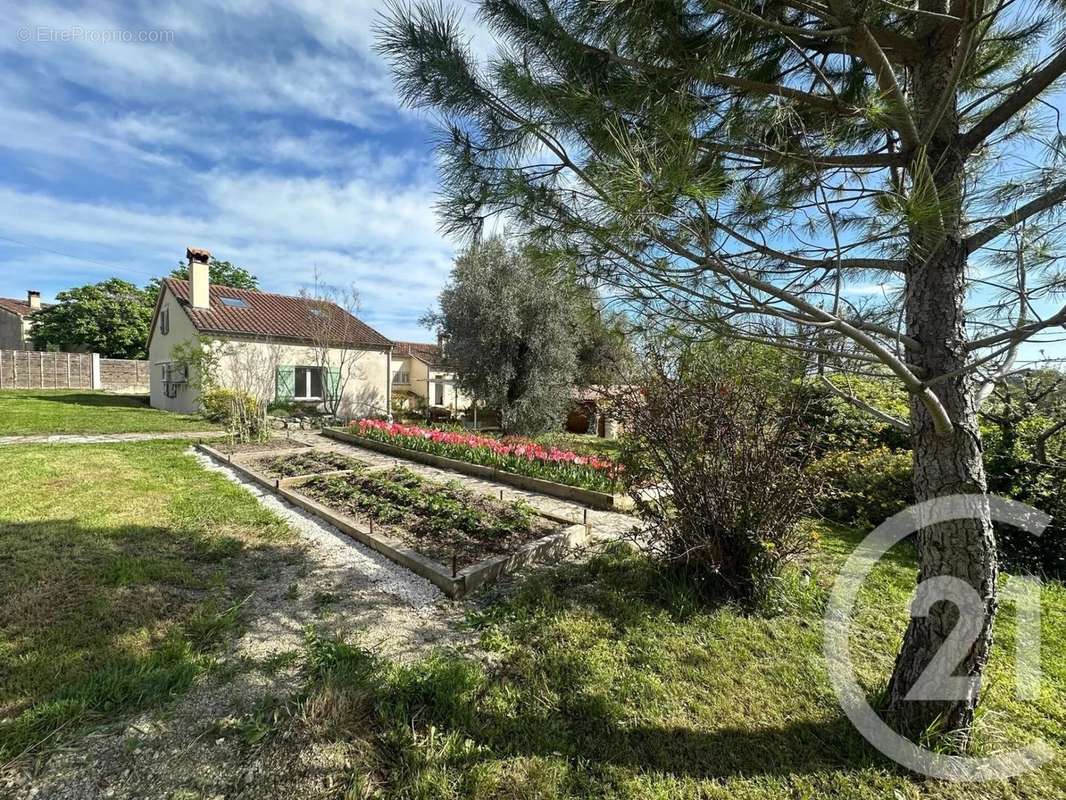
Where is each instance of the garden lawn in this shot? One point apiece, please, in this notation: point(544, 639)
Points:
point(74, 411)
point(121, 572)
point(610, 679)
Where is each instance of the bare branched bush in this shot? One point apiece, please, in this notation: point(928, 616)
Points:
point(715, 456)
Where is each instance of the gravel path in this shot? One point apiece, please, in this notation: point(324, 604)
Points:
point(193, 749)
point(104, 438)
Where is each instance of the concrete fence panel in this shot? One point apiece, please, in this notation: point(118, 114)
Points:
point(27, 369)
point(124, 375)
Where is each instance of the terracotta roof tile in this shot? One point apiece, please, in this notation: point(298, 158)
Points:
point(20, 307)
point(429, 353)
point(273, 315)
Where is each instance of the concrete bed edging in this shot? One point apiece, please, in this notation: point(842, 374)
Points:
point(602, 501)
point(467, 580)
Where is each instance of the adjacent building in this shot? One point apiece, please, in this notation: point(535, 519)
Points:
point(422, 379)
point(16, 321)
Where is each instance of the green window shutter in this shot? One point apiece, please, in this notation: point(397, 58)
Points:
point(333, 383)
point(286, 384)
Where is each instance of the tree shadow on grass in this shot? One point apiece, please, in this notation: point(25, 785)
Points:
point(100, 622)
point(566, 686)
point(92, 399)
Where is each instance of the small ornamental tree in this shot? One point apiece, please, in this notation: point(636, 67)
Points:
point(715, 456)
point(332, 326)
point(758, 166)
point(110, 318)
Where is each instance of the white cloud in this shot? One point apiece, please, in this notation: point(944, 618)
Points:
point(267, 132)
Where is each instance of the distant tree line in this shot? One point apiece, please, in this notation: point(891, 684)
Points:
point(113, 317)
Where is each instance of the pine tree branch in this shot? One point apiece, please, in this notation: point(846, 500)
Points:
point(859, 160)
point(883, 70)
point(862, 405)
point(1022, 96)
point(1045, 201)
point(788, 30)
point(887, 264)
point(1040, 445)
point(820, 102)
point(1020, 334)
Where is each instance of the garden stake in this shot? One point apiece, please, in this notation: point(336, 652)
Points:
point(585, 519)
point(501, 495)
point(455, 565)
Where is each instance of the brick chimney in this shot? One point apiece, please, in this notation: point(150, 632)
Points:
point(33, 299)
point(199, 277)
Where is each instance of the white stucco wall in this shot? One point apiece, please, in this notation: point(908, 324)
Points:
point(187, 399)
point(417, 371)
point(251, 365)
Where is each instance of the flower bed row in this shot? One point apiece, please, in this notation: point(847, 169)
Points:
point(439, 520)
point(520, 457)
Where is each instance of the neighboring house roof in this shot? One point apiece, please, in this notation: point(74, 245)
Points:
point(274, 315)
point(428, 353)
point(20, 307)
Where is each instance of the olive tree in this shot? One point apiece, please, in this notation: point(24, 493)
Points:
point(511, 334)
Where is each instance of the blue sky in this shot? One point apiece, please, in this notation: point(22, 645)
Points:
point(267, 132)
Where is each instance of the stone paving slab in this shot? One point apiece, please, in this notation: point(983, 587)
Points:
point(105, 438)
point(605, 524)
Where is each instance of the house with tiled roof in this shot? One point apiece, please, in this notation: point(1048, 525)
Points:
point(16, 321)
point(278, 348)
point(423, 380)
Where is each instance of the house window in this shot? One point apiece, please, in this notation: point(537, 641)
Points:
point(308, 383)
point(438, 394)
point(164, 321)
point(234, 302)
point(403, 378)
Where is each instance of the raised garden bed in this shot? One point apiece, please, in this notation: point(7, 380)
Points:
point(309, 462)
point(458, 540)
point(442, 521)
point(594, 499)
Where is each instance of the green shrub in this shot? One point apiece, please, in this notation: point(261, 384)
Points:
point(849, 428)
point(242, 414)
point(864, 487)
point(715, 460)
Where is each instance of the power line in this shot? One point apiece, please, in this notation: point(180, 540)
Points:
point(77, 258)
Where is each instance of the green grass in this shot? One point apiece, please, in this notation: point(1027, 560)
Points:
point(119, 572)
point(583, 443)
point(53, 411)
point(611, 680)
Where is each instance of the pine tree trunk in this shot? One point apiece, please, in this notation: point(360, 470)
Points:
point(944, 463)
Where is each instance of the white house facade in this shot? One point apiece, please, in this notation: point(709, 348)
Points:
point(277, 348)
